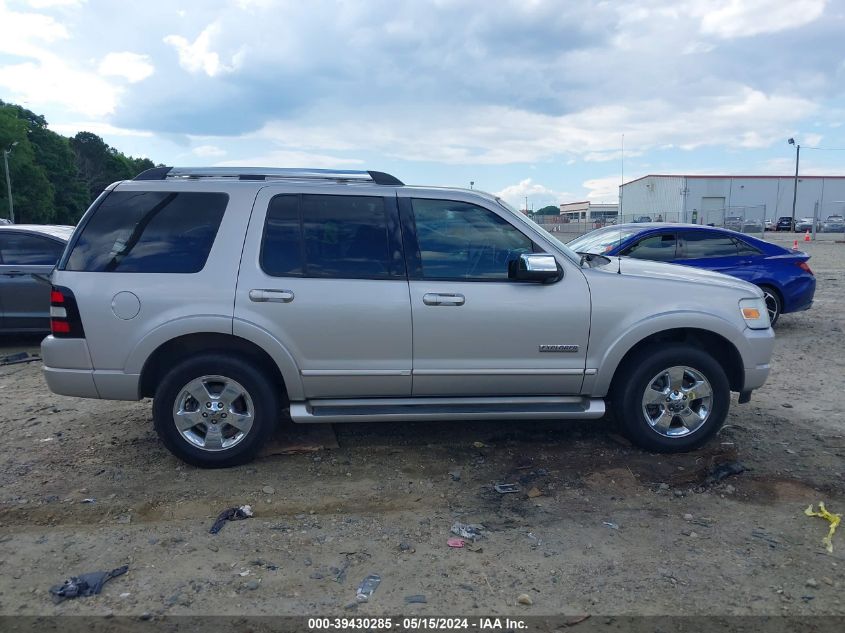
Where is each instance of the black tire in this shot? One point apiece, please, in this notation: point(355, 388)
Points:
point(774, 304)
point(265, 408)
point(632, 381)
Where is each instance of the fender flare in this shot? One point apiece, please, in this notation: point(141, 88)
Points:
point(227, 326)
point(631, 336)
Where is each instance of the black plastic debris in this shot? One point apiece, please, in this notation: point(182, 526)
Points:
point(85, 585)
point(20, 357)
point(723, 471)
point(230, 514)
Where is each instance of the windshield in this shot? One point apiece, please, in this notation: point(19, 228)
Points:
point(602, 240)
point(566, 250)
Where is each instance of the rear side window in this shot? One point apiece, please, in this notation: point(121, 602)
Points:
point(21, 249)
point(660, 248)
point(702, 244)
point(149, 232)
point(341, 237)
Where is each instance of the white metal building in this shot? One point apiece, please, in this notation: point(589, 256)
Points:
point(705, 199)
point(587, 211)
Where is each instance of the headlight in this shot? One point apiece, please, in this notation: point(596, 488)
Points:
point(754, 313)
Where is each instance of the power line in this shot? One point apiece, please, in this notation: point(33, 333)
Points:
point(826, 149)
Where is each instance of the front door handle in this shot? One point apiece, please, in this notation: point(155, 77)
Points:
point(263, 295)
point(443, 299)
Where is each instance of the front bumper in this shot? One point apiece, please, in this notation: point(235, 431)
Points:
point(756, 357)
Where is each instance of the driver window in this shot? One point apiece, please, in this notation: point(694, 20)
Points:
point(461, 241)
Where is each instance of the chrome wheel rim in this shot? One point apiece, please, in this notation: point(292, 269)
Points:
point(213, 413)
point(771, 305)
point(677, 401)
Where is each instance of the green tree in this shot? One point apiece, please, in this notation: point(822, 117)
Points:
point(31, 189)
point(549, 210)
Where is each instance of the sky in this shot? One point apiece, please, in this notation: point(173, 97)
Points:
point(523, 98)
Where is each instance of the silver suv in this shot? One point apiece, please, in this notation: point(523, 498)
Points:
point(237, 297)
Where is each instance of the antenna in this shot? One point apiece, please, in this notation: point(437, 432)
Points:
point(619, 212)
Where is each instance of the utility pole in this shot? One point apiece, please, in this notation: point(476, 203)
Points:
point(6, 153)
point(795, 187)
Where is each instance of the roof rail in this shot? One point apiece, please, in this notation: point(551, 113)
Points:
point(268, 173)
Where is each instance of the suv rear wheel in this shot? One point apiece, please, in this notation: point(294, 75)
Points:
point(215, 411)
point(671, 398)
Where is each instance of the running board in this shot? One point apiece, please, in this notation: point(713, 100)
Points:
point(445, 409)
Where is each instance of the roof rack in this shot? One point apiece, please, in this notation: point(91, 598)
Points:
point(268, 173)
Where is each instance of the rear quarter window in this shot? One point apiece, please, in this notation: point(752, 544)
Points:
point(149, 232)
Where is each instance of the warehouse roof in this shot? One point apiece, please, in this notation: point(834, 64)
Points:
point(800, 176)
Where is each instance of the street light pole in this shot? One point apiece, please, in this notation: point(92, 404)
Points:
point(6, 153)
point(795, 186)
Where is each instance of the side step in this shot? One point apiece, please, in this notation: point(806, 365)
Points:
point(445, 409)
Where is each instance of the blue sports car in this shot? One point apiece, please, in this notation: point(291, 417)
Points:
point(783, 275)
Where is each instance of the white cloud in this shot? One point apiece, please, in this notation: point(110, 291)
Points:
point(50, 4)
point(131, 66)
point(744, 18)
point(197, 56)
point(46, 77)
point(497, 135)
point(603, 189)
point(538, 195)
point(97, 127)
point(208, 151)
point(286, 158)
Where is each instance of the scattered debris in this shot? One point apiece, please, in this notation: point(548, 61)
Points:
point(524, 598)
point(416, 599)
point(471, 531)
point(612, 526)
point(456, 542)
point(479, 445)
point(687, 517)
point(455, 474)
point(723, 471)
point(504, 489)
point(812, 582)
point(367, 587)
point(268, 490)
point(534, 493)
point(833, 519)
point(85, 585)
point(89, 500)
point(20, 357)
point(230, 514)
point(576, 620)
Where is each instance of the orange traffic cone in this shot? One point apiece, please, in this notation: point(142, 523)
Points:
point(795, 245)
point(807, 236)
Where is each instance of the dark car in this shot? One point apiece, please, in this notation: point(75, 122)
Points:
point(784, 224)
point(787, 281)
point(26, 249)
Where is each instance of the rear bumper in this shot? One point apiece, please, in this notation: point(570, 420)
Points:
point(68, 372)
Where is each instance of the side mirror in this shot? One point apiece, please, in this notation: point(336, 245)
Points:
point(534, 267)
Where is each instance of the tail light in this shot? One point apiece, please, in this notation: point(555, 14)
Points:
point(64, 314)
point(805, 267)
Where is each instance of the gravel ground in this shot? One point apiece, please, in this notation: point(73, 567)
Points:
point(598, 527)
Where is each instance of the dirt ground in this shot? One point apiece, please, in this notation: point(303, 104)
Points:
point(613, 531)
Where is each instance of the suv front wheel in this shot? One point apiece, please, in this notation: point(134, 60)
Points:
point(671, 398)
point(215, 411)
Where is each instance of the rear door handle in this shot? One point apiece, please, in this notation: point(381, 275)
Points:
point(443, 299)
point(267, 295)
